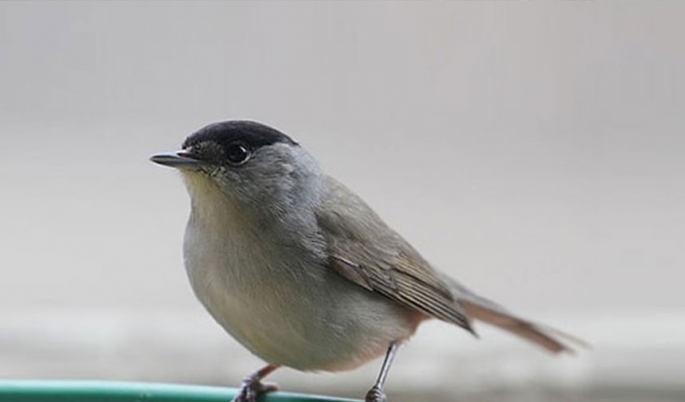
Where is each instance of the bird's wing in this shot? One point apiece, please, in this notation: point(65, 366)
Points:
point(365, 250)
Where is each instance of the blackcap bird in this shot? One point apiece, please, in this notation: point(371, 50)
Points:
point(299, 270)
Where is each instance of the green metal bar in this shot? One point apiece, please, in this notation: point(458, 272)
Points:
point(109, 391)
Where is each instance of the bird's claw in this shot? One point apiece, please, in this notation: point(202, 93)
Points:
point(251, 389)
point(375, 394)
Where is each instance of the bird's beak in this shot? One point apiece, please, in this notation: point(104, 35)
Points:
point(177, 159)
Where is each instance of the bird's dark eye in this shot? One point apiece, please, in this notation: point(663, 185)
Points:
point(238, 152)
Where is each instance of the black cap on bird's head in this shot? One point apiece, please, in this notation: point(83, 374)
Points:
point(251, 133)
point(225, 143)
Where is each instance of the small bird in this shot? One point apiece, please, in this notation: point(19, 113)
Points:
point(300, 270)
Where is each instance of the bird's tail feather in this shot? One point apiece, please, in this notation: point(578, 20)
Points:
point(549, 338)
point(482, 309)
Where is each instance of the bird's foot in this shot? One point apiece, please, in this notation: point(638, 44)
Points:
point(252, 388)
point(375, 394)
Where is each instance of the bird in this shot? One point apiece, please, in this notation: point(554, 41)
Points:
point(301, 271)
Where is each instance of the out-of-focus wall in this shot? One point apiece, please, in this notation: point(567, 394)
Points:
point(535, 152)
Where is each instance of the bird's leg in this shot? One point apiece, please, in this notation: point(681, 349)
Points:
point(252, 385)
point(376, 394)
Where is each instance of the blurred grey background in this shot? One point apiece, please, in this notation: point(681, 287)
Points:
point(534, 151)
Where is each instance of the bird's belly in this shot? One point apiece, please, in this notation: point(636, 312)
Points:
point(308, 319)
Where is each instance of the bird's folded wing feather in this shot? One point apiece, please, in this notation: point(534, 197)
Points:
point(365, 250)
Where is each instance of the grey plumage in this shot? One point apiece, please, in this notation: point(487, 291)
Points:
point(301, 270)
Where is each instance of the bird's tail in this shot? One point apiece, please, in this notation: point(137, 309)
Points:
point(480, 308)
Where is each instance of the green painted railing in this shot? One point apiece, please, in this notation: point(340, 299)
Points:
point(106, 391)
